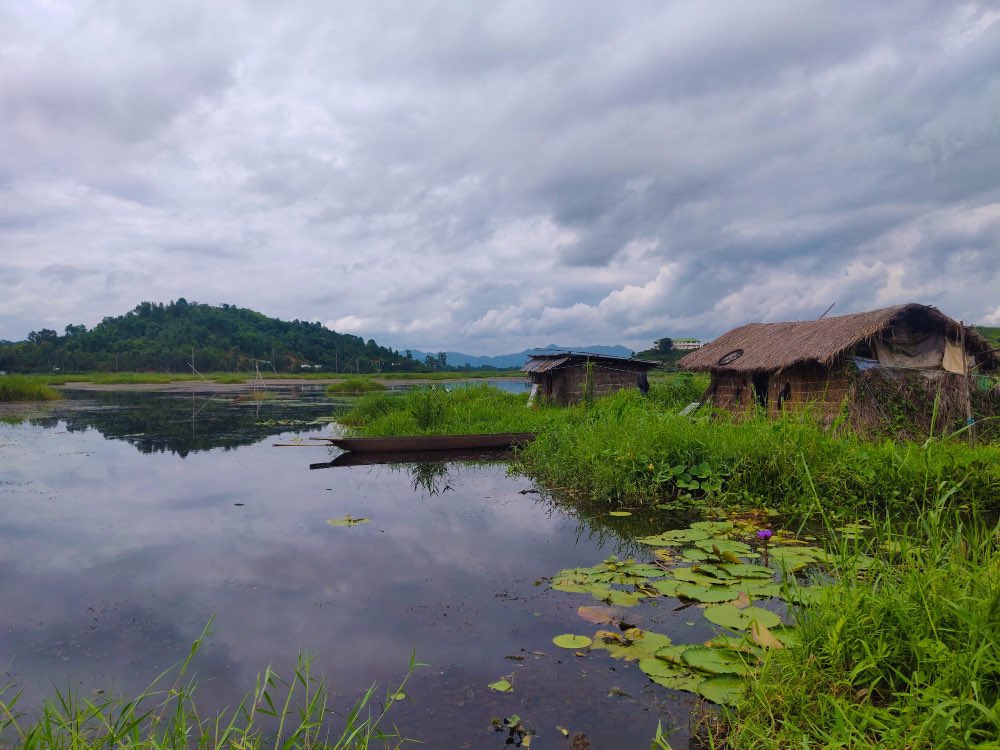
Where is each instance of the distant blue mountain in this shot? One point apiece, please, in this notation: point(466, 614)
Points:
point(504, 361)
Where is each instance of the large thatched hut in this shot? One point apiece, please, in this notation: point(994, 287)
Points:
point(875, 366)
point(568, 377)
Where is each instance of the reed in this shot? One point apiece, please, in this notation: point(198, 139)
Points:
point(286, 714)
point(355, 386)
point(21, 388)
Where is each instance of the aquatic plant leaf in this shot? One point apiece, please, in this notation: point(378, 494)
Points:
point(716, 660)
point(620, 513)
point(698, 555)
point(571, 641)
point(724, 689)
point(667, 587)
point(398, 696)
point(631, 645)
point(674, 538)
point(501, 686)
point(715, 528)
point(348, 520)
point(804, 595)
point(714, 571)
point(739, 619)
point(690, 575)
point(760, 588)
point(600, 615)
point(718, 546)
point(741, 644)
point(763, 637)
point(670, 675)
point(673, 654)
point(745, 570)
point(706, 594)
point(617, 598)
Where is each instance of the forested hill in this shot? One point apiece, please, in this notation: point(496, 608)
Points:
point(162, 338)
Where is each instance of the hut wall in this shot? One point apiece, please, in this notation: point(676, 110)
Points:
point(730, 391)
point(567, 385)
point(823, 389)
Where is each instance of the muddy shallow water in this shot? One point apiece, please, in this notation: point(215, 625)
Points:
point(127, 520)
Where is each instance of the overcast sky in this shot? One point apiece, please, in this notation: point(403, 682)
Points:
point(490, 176)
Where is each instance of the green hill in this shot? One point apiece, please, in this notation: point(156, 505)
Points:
point(163, 338)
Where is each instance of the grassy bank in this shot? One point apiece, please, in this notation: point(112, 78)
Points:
point(355, 386)
point(126, 378)
point(291, 714)
point(631, 450)
point(20, 388)
point(902, 654)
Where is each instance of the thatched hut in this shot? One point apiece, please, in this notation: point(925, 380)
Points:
point(568, 377)
point(858, 362)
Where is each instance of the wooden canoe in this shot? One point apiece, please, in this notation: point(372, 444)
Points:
point(500, 441)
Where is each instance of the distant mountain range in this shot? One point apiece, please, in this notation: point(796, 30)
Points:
point(504, 361)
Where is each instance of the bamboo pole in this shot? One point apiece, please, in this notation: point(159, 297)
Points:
point(969, 421)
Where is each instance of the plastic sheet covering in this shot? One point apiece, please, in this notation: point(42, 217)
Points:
point(954, 358)
point(900, 347)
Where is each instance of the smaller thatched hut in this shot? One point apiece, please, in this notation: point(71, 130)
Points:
point(568, 377)
point(856, 361)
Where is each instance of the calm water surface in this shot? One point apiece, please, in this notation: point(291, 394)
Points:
point(127, 520)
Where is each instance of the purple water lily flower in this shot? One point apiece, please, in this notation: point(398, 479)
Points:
point(764, 534)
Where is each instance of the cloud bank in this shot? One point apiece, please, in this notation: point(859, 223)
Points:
point(490, 177)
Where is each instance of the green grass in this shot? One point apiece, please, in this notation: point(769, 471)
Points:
point(905, 654)
point(354, 386)
point(633, 450)
point(21, 388)
point(286, 714)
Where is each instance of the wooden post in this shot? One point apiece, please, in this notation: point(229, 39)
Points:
point(969, 421)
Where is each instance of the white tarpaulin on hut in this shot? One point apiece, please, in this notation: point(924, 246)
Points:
point(901, 347)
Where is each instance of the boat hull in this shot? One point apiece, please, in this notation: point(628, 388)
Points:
point(500, 441)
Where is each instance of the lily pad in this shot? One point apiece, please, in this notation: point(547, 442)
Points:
point(674, 538)
point(631, 645)
point(501, 686)
point(739, 619)
point(600, 615)
point(617, 598)
point(714, 528)
point(620, 513)
point(348, 520)
point(698, 555)
point(707, 594)
point(724, 689)
point(670, 675)
point(692, 576)
point(667, 587)
point(572, 641)
point(718, 546)
point(745, 570)
point(716, 660)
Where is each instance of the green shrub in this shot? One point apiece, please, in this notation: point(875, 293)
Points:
point(21, 388)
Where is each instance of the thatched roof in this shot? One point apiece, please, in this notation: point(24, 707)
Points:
point(775, 346)
point(538, 363)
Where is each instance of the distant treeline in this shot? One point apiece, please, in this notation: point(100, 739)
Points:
point(165, 338)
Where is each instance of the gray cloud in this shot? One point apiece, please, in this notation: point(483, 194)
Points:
point(444, 176)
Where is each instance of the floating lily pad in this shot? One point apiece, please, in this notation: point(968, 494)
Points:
point(764, 637)
point(698, 555)
point(706, 594)
point(667, 587)
point(804, 594)
point(620, 513)
point(691, 575)
point(716, 660)
point(600, 615)
point(674, 538)
point(714, 571)
point(617, 598)
point(631, 645)
point(745, 570)
point(714, 528)
point(348, 520)
point(739, 619)
point(670, 675)
point(398, 696)
point(501, 686)
point(572, 641)
point(717, 546)
point(724, 689)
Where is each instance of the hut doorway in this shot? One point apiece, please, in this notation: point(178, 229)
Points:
point(760, 388)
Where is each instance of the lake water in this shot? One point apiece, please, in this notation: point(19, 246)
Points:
point(127, 520)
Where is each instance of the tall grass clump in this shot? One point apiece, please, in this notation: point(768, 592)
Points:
point(627, 448)
point(477, 409)
point(290, 714)
point(354, 386)
point(902, 654)
point(21, 388)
